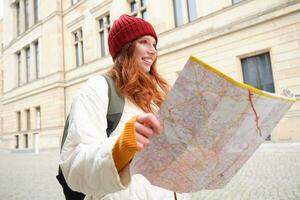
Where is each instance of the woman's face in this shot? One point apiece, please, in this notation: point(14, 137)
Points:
point(145, 52)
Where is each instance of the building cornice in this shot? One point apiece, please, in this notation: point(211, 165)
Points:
point(101, 5)
point(73, 7)
point(27, 90)
point(75, 21)
point(31, 131)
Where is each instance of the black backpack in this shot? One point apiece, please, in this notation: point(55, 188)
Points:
point(114, 113)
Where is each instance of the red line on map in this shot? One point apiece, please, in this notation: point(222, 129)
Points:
point(250, 94)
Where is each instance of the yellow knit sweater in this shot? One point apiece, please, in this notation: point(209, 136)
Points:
point(126, 145)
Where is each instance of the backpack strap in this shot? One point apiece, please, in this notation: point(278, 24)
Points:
point(115, 109)
point(115, 105)
point(65, 133)
point(114, 112)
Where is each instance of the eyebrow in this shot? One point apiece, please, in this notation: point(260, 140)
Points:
point(149, 39)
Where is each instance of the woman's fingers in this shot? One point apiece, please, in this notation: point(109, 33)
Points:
point(140, 146)
point(145, 127)
point(144, 130)
point(142, 141)
point(149, 120)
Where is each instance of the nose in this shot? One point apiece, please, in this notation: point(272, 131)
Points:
point(152, 49)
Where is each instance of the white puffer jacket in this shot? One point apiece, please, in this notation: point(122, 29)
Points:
point(86, 158)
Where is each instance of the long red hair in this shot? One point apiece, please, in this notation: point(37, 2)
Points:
point(146, 89)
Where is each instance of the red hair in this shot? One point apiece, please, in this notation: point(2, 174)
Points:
point(146, 89)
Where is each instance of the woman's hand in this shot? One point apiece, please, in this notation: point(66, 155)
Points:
point(146, 126)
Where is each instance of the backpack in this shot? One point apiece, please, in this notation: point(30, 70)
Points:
point(113, 116)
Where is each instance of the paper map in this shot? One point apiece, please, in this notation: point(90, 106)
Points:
point(212, 124)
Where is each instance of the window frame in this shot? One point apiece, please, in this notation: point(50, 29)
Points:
point(19, 121)
point(37, 59)
point(18, 24)
point(140, 10)
point(258, 68)
point(36, 10)
point(17, 137)
point(19, 65)
point(233, 2)
point(181, 12)
point(26, 14)
point(73, 2)
point(188, 10)
point(103, 31)
point(28, 119)
point(38, 118)
point(26, 140)
point(27, 63)
point(78, 44)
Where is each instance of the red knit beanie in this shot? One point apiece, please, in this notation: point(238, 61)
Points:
point(127, 29)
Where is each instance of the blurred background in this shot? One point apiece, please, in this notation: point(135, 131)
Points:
point(50, 48)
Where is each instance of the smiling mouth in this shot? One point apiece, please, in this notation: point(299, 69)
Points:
point(147, 60)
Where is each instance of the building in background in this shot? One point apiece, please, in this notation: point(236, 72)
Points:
point(53, 46)
point(1, 80)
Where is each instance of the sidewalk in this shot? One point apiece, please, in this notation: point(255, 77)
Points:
point(28, 176)
point(273, 173)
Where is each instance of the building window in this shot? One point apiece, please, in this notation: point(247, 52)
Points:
point(178, 12)
point(27, 119)
point(17, 141)
point(78, 44)
point(18, 17)
point(36, 10)
point(27, 63)
point(184, 11)
point(104, 27)
point(138, 8)
point(192, 10)
point(37, 59)
point(18, 121)
point(74, 1)
point(236, 1)
point(19, 67)
point(26, 140)
point(38, 117)
point(257, 71)
point(26, 13)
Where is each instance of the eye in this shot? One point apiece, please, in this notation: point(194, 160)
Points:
point(143, 41)
point(154, 45)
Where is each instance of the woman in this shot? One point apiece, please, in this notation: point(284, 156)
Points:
point(98, 165)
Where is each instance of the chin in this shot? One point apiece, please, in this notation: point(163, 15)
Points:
point(147, 69)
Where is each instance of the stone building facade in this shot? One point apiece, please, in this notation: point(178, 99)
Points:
point(51, 47)
point(1, 80)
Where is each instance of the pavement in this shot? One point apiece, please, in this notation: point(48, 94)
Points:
point(272, 173)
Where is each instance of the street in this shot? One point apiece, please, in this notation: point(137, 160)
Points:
point(273, 173)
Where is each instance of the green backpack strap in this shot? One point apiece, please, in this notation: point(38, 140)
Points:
point(65, 134)
point(115, 105)
point(115, 109)
point(114, 112)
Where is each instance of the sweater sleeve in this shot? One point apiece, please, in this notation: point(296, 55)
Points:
point(86, 159)
point(126, 145)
